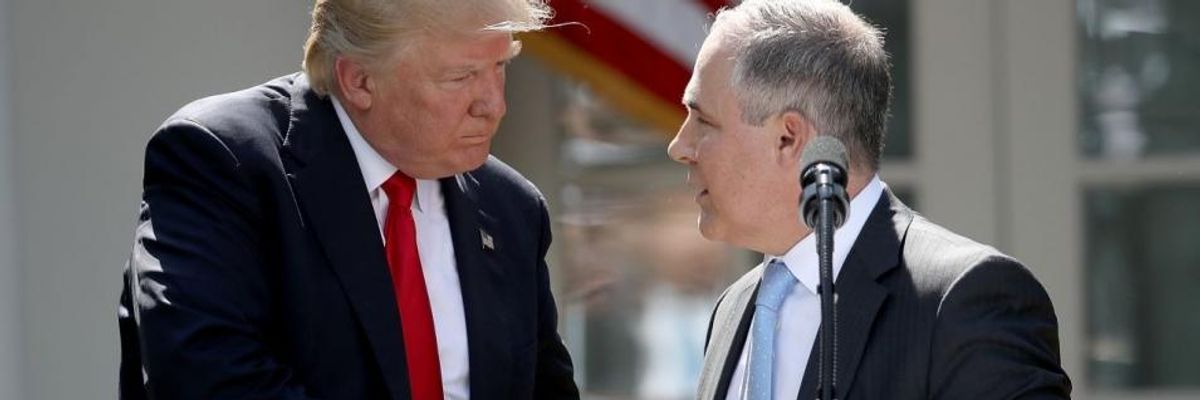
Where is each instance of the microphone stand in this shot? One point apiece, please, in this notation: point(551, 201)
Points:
point(823, 181)
point(831, 210)
point(828, 329)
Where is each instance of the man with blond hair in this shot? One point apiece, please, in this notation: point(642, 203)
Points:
point(922, 313)
point(343, 233)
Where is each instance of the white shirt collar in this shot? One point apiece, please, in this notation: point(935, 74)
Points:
point(376, 170)
point(802, 260)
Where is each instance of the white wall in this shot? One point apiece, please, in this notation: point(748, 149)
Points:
point(11, 353)
point(90, 80)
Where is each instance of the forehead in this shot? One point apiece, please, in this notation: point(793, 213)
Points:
point(438, 52)
point(451, 46)
point(711, 78)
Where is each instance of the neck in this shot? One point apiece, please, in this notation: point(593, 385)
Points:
point(857, 182)
point(796, 232)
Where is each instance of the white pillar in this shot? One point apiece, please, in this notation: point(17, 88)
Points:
point(954, 138)
point(1039, 106)
point(12, 354)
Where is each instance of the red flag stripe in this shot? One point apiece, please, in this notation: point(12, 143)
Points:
point(714, 5)
point(622, 93)
point(625, 51)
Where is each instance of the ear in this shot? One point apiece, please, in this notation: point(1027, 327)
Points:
point(354, 82)
point(794, 135)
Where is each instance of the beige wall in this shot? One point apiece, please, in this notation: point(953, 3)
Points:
point(90, 81)
point(11, 354)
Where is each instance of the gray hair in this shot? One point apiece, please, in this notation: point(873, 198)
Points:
point(815, 57)
point(373, 30)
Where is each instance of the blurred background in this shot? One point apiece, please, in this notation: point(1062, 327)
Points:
point(1066, 133)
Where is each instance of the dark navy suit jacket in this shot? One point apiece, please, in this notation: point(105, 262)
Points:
point(922, 313)
point(257, 270)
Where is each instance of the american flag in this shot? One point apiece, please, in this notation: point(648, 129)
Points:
point(637, 54)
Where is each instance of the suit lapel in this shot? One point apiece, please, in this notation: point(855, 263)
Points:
point(479, 277)
point(859, 294)
point(329, 189)
point(738, 344)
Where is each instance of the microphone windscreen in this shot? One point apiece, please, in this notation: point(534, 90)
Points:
point(826, 149)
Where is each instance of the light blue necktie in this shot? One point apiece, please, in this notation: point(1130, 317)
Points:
point(777, 281)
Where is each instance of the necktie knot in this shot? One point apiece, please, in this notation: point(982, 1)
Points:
point(777, 281)
point(399, 189)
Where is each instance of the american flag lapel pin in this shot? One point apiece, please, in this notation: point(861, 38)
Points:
point(488, 242)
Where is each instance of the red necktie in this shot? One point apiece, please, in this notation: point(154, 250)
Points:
point(404, 263)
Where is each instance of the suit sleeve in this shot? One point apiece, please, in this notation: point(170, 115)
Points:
point(555, 376)
point(196, 282)
point(996, 337)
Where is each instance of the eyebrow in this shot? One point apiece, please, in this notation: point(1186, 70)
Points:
point(694, 105)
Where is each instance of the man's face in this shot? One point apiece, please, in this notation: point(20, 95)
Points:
point(435, 108)
point(747, 185)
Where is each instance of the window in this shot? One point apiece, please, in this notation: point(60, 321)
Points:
point(1140, 66)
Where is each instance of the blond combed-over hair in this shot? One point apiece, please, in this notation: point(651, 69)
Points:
point(375, 30)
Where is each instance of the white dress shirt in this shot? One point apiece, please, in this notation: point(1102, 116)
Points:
point(436, 249)
point(800, 315)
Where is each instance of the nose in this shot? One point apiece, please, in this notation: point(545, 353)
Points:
point(489, 99)
point(682, 147)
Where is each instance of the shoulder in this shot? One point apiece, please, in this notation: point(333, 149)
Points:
point(498, 180)
point(241, 123)
point(936, 256)
point(993, 320)
point(956, 267)
point(934, 247)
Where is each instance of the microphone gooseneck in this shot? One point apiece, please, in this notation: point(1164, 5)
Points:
point(824, 207)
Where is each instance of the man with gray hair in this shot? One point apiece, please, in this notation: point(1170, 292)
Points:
point(922, 313)
point(343, 233)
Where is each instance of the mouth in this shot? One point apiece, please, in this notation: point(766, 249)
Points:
point(476, 139)
point(694, 182)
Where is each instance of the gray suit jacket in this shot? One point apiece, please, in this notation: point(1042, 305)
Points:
point(922, 314)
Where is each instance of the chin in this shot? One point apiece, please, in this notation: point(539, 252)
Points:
point(708, 230)
point(470, 163)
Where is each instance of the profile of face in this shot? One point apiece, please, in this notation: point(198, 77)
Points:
point(433, 108)
point(746, 177)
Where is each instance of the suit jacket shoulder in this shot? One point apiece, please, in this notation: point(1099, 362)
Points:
point(994, 332)
point(936, 257)
point(246, 122)
point(502, 182)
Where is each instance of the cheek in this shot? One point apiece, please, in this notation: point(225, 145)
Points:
point(449, 113)
point(435, 121)
point(744, 193)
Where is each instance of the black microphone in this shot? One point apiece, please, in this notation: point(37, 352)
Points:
point(823, 205)
point(824, 178)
